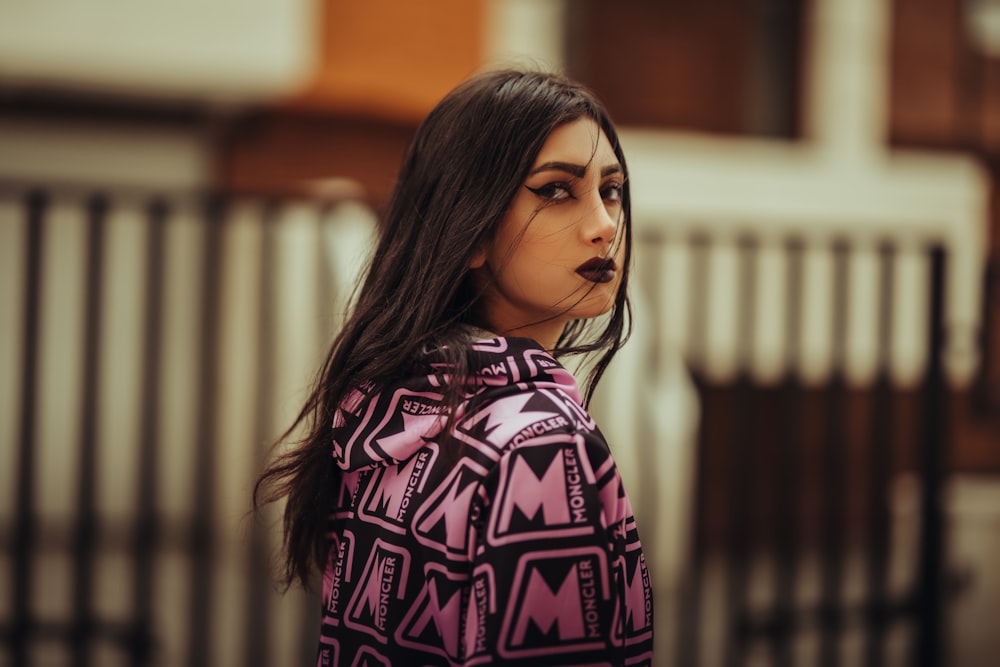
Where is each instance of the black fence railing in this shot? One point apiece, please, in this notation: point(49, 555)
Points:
point(162, 549)
point(987, 399)
point(793, 475)
point(796, 478)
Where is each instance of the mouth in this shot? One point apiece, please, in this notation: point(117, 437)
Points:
point(598, 270)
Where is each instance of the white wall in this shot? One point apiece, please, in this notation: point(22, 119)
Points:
point(222, 51)
point(46, 152)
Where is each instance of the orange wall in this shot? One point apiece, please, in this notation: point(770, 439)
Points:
point(393, 58)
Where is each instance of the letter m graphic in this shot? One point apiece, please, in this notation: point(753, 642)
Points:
point(546, 614)
point(442, 521)
point(532, 505)
point(434, 619)
point(543, 608)
point(381, 584)
point(384, 494)
point(636, 593)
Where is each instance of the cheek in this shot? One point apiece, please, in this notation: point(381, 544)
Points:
point(530, 246)
point(512, 234)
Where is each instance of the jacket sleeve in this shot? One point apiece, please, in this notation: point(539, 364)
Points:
point(558, 575)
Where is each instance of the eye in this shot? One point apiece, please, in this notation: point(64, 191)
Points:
point(612, 192)
point(555, 191)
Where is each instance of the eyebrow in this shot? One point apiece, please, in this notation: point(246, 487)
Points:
point(578, 170)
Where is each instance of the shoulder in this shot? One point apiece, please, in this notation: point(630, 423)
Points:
point(532, 438)
point(510, 417)
point(559, 485)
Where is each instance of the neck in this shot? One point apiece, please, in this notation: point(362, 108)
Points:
point(545, 334)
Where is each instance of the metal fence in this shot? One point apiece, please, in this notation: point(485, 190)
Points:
point(154, 344)
point(799, 555)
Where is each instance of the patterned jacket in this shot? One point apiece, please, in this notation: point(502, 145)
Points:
point(514, 544)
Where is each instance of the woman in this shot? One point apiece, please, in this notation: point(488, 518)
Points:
point(461, 503)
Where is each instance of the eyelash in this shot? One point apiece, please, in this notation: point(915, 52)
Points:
point(617, 188)
point(549, 191)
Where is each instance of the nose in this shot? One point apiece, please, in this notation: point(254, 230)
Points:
point(601, 225)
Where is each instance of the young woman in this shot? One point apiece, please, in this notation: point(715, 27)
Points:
point(461, 503)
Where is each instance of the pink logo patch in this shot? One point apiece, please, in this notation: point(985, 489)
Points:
point(442, 521)
point(555, 604)
point(542, 493)
point(382, 582)
point(433, 620)
point(394, 491)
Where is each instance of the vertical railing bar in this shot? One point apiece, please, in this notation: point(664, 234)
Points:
point(258, 609)
point(309, 631)
point(740, 457)
point(987, 383)
point(147, 524)
point(788, 461)
point(325, 323)
point(880, 447)
point(652, 274)
point(689, 623)
point(86, 522)
point(928, 646)
point(698, 316)
point(36, 203)
point(206, 393)
point(834, 468)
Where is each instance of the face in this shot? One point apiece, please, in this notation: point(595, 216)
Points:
point(558, 253)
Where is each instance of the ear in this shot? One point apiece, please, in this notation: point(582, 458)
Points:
point(478, 259)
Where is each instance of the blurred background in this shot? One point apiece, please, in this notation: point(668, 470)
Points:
point(807, 417)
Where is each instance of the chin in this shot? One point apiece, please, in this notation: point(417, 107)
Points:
point(596, 310)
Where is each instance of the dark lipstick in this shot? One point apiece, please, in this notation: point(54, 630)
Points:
point(598, 270)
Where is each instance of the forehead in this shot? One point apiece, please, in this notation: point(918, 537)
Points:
point(581, 142)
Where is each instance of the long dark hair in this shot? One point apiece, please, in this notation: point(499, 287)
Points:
point(460, 174)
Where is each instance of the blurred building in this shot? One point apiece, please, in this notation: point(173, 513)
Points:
point(808, 418)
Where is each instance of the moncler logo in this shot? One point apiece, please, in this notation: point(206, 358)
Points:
point(389, 428)
point(344, 507)
point(638, 621)
point(433, 620)
point(567, 404)
point(497, 423)
point(394, 491)
point(442, 521)
point(543, 492)
point(338, 571)
point(382, 582)
point(559, 604)
point(482, 603)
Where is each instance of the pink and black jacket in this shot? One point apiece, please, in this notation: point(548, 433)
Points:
point(514, 544)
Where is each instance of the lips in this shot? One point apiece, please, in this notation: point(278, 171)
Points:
point(598, 270)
